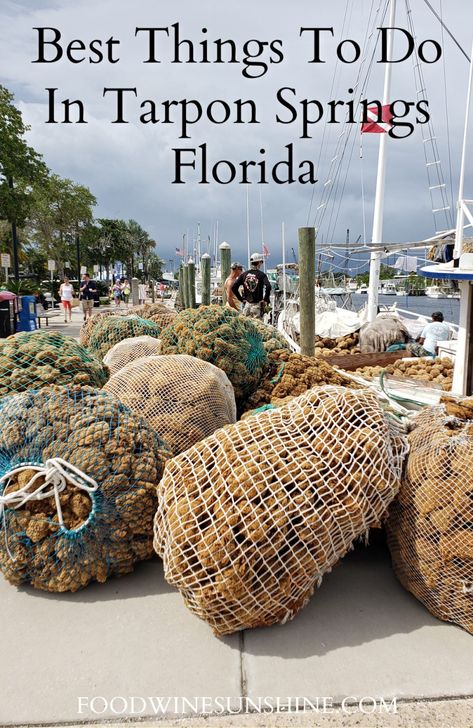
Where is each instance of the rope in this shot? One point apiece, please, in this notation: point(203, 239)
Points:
point(57, 474)
point(448, 31)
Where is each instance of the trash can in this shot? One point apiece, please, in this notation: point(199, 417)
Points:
point(7, 314)
point(27, 317)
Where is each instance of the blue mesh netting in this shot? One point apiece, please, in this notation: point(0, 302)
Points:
point(222, 337)
point(31, 360)
point(110, 330)
point(104, 532)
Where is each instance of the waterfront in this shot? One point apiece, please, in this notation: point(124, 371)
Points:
point(450, 307)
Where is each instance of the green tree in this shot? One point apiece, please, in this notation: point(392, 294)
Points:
point(155, 266)
point(61, 209)
point(21, 169)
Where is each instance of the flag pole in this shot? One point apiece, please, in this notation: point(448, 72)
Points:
point(377, 237)
point(248, 223)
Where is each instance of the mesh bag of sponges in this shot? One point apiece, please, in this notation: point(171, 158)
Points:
point(272, 339)
point(129, 350)
point(184, 398)
point(32, 360)
point(222, 337)
point(250, 518)
point(157, 312)
point(430, 528)
point(78, 474)
point(112, 329)
point(89, 325)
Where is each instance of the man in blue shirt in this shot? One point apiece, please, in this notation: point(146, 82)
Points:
point(88, 291)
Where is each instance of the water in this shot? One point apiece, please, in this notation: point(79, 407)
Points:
point(450, 307)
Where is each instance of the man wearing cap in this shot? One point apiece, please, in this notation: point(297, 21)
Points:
point(255, 288)
point(232, 300)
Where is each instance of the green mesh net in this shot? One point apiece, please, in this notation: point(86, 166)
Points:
point(89, 325)
point(222, 337)
point(31, 360)
point(78, 475)
point(272, 339)
point(113, 329)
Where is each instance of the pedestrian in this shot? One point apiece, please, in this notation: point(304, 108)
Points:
point(232, 300)
point(435, 331)
point(162, 288)
point(126, 290)
point(66, 293)
point(142, 293)
point(88, 291)
point(117, 293)
point(252, 288)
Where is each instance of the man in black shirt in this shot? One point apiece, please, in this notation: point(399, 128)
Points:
point(88, 291)
point(252, 288)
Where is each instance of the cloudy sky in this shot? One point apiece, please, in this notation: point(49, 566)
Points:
point(130, 167)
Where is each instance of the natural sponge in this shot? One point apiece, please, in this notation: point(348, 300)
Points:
point(78, 474)
point(251, 518)
point(222, 337)
point(184, 398)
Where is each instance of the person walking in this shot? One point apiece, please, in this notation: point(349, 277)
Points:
point(232, 300)
point(66, 293)
point(252, 288)
point(117, 293)
point(126, 290)
point(88, 291)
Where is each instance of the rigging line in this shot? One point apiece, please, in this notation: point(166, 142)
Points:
point(340, 199)
point(325, 125)
point(445, 204)
point(447, 30)
point(351, 127)
point(446, 108)
point(368, 35)
point(363, 204)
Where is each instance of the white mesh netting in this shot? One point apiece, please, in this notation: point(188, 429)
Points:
point(129, 350)
point(430, 527)
point(186, 398)
point(251, 518)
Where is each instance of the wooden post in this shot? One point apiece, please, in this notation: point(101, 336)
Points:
point(226, 266)
point(135, 299)
point(205, 272)
point(181, 286)
point(307, 289)
point(191, 269)
point(185, 285)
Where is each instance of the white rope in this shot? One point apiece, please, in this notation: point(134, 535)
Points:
point(57, 474)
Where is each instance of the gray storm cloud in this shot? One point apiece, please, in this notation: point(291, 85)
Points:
point(130, 167)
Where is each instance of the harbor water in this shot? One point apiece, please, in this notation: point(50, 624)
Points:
point(450, 307)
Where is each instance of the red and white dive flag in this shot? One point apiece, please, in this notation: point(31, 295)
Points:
point(265, 251)
point(372, 125)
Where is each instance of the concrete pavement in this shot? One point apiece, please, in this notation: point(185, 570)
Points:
point(361, 636)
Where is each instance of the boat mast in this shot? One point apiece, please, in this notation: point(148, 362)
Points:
point(284, 289)
point(377, 237)
point(199, 251)
point(464, 354)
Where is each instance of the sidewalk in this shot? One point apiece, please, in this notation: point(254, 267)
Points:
point(361, 635)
